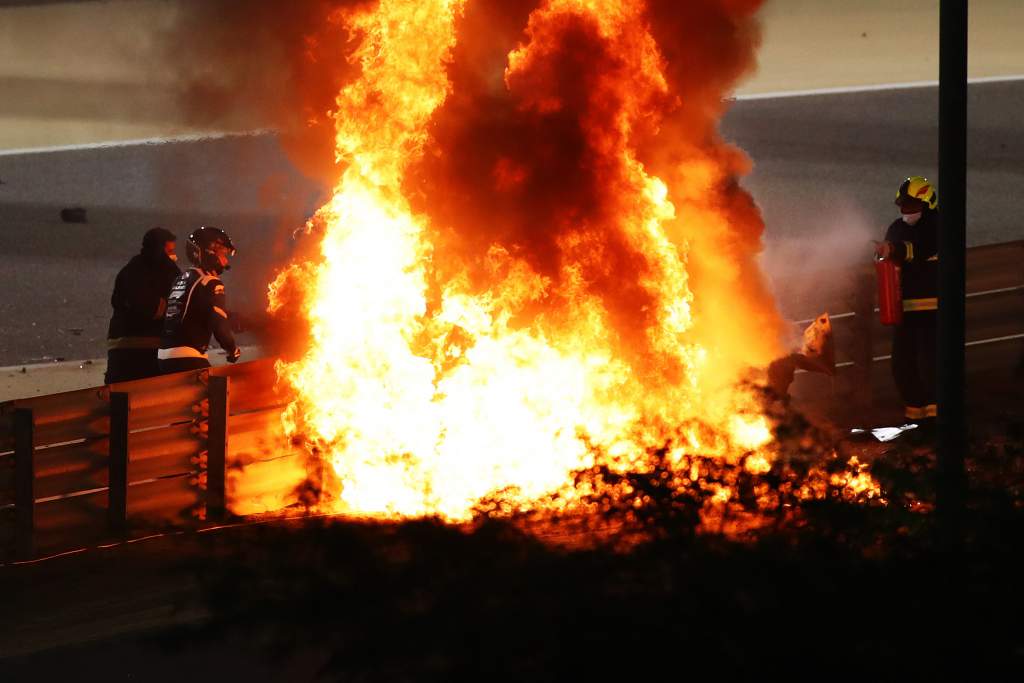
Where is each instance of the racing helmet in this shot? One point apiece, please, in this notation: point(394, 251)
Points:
point(209, 249)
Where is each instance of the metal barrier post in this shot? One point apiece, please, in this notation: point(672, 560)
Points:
point(217, 446)
point(24, 479)
point(863, 351)
point(952, 431)
point(117, 494)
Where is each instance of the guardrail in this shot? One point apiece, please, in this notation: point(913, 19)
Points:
point(86, 467)
point(112, 462)
point(994, 330)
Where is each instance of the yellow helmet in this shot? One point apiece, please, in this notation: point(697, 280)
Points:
point(920, 188)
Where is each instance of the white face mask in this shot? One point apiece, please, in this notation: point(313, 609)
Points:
point(911, 218)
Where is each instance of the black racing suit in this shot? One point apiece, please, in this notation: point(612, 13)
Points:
point(914, 341)
point(195, 310)
point(139, 299)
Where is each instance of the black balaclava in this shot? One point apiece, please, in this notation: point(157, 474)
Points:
point(154, 240)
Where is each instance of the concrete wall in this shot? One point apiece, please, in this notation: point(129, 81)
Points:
point(84, 72)
point(829, 43)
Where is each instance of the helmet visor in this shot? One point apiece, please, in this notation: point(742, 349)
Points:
point(224, 249)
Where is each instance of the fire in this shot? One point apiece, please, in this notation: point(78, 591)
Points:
point(459, 354)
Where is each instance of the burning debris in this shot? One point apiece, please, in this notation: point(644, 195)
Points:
point(817, 354)
point(537, 262)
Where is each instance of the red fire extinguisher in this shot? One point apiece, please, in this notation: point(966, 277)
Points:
point(890, 296)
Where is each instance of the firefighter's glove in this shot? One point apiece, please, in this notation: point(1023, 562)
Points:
point(883, 249)
point(234, 354)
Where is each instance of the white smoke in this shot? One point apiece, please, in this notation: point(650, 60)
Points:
point(811, 267)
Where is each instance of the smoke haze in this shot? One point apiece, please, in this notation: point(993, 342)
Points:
point(803, 270)
point(266, 64)
point(524, 151)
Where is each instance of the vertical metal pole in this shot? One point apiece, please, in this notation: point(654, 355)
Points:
point(117, 493)
point(217, 446)
point(863, 344)
point(24, 480)
point(952, 422)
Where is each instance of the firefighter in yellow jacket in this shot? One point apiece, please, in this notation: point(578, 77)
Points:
point(912, 241)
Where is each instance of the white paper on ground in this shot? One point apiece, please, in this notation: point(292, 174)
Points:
point(884, 434)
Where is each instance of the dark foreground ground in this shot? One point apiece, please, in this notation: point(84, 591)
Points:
point(827, 590)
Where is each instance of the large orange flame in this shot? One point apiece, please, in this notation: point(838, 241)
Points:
point(491, 313)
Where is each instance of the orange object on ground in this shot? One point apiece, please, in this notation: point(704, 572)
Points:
point(890, 297)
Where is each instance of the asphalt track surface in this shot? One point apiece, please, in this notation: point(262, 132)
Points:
point(825, 171)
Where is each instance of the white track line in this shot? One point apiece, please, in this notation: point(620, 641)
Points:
point(880, 87)
point(174, 139)
point(979, 342)
point(837, 316)
point(995, 340)
point(970, 295)
point(781, 94)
